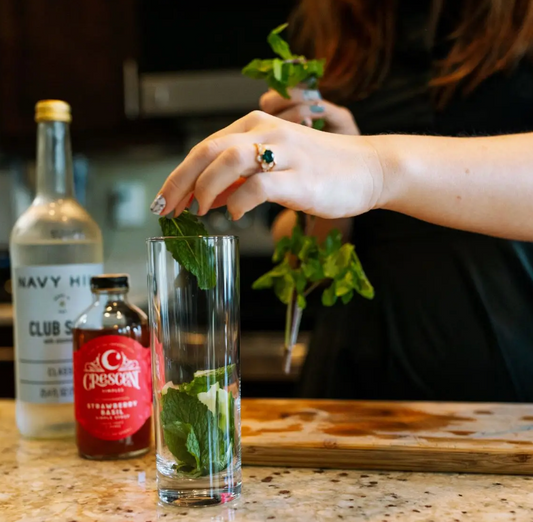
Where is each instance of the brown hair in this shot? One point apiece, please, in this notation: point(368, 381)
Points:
point(356, 37)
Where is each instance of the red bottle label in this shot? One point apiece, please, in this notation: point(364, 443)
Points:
point(112, 386)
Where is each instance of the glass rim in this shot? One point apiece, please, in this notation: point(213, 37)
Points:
point(159, 239)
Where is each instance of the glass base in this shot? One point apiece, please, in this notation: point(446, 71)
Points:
point(210, 490)
point(198, 497)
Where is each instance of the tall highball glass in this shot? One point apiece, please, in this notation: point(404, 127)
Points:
point(193, 285)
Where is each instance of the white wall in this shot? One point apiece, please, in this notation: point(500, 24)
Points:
point(125, 248)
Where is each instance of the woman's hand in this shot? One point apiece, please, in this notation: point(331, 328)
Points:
point(306, 106)
point(322, 174)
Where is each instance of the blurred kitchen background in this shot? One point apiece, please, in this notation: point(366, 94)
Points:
point(147, 80)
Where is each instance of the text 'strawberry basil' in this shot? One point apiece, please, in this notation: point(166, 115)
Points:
point(112, 387)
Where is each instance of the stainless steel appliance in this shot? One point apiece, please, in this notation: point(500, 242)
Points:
point(191, 55)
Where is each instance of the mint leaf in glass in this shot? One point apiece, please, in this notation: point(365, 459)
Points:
point(194, 255)
point(203, 380)
point(183, 444)
point(199, 428)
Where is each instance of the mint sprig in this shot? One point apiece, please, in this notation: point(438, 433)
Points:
point(304, 265)
point(287, 71)
point(194, 255)
point(198, 420)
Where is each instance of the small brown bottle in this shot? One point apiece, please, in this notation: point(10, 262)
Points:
point(112, 374)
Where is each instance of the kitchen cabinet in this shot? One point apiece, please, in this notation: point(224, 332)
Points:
point(71, 50)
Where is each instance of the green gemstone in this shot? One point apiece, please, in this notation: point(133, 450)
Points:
point(268, 156)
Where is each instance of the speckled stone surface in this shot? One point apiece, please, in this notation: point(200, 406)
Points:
point(47, 481)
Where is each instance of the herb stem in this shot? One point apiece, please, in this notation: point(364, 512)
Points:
point(294, 316)
point(288, 321)
point(313, 287)
point(294, 312)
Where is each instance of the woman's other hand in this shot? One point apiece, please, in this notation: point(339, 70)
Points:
point(322, 174)
point(306, 106)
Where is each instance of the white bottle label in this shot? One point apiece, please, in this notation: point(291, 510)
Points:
point(48, 300)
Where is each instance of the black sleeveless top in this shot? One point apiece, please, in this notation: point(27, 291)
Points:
point(453, 314)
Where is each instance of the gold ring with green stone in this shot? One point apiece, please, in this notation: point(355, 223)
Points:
point(265, 158)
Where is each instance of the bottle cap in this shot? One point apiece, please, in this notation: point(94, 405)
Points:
point(109, 281)
point(52, 110)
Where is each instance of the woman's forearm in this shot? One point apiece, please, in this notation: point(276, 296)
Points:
point(478, 184)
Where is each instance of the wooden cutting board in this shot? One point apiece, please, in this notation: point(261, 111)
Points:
point(411, 436)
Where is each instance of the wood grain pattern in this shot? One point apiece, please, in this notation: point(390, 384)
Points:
point(411, 436)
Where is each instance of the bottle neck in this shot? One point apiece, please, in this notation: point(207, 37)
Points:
point(54, 161)
point(105, 296)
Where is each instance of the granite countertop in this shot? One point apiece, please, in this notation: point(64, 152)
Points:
point(43, 481)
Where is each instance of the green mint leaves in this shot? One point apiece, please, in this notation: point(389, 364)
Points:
point(287, 71)
point(279, 45)
point(303, 265)
point(198, 421)
point(182, 442)
point(204, 380)
point(194, 255)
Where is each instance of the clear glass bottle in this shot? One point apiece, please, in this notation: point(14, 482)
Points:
point(112, 374)
point(55, 248)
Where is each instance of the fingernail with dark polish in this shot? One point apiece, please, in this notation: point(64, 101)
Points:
point(158, 205)
point(194, 207)
point(317, 109)
point(228, 216)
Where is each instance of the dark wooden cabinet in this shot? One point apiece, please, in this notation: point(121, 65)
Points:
point(65, 49)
